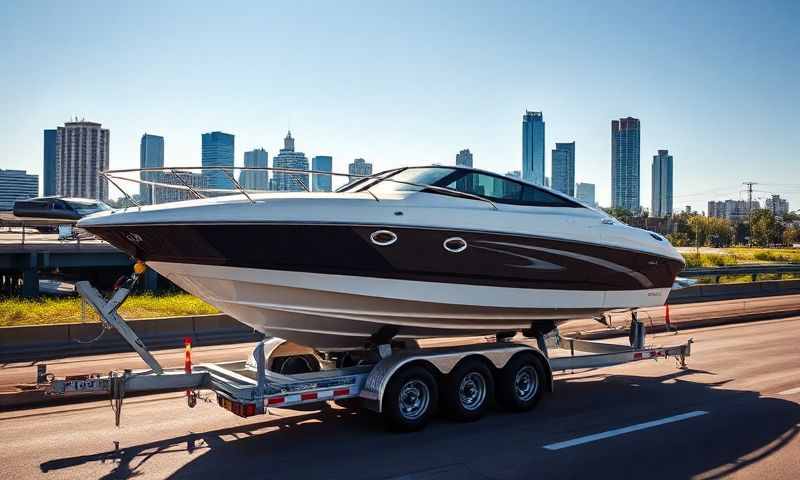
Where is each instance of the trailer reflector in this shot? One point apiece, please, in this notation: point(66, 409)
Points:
point(275, 400)
point(340, 392)
point(308, 396)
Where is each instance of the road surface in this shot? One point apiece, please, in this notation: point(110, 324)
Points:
point(734, 413)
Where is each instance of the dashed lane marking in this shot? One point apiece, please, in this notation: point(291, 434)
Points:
point(624, 430)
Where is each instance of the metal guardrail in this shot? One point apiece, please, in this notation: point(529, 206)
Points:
point(752, 269)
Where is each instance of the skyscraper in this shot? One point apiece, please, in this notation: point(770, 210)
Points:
point(661, 205)
point(359, 167)
point(625, 163)
point(218, 152)
point(181, 178)
point(49, 180)
point(82, 152)
point(563, 166)
point(585, 193)
point(533, 147)
point(464, 158)
point(777, 205)
point(321, 182)
point(288, 158)
point(151, 155)
point(16, 185)
point(255, 179)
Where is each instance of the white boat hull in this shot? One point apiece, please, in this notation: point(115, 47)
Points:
point(342, 312)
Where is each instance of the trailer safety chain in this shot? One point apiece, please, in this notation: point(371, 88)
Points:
point(118, 394)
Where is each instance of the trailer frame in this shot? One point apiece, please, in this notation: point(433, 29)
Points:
point(249, 388)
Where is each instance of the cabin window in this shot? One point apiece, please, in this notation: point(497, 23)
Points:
point(506, 190)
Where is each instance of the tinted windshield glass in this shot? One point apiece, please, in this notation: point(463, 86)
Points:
point(489, 186)
point(506, 190)
point(88, 208)
point(412, 177)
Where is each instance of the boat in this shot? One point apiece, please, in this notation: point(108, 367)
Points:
point(414, 252)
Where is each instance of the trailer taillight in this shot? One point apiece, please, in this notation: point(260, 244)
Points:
point(242, 409)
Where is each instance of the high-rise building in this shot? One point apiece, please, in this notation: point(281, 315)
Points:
point(359, 167)
point(533, 147)
point(625, 134)
point(563, 166)
point(82, 152)
point(49, 180)
point(777, 205)
point(464, 158)
point(182, 178)
point(585, 193)
point(319, 181)
point(733, 210)
point(16, 185)
point(218, 150)
point(151, 155)
point(288, 158)
point(662, 185)
point(255, 179)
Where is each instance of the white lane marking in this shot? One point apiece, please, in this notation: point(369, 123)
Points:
point(624, 430)
point(790, 391)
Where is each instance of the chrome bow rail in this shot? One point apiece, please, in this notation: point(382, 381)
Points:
point(198, 192)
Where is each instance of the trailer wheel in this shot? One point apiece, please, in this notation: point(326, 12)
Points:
point(520, 383)
point(468, 390)
point(410, 399)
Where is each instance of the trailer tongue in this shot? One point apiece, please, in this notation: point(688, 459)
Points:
point(402, 384)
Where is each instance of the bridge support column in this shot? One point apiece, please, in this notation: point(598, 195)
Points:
point(30, 278)
point(30, 283)
point(150, 280)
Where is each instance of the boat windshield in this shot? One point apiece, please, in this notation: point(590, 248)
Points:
point(87, 207)
point(409, 179)
point(475, 183)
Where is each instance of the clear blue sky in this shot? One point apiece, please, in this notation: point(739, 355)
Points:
point(715, 82)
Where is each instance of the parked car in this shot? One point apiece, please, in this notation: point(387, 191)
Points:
point(58, 208)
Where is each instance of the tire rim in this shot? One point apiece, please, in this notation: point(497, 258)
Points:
point(526, 383)
point(472, 391)
point(414, 399)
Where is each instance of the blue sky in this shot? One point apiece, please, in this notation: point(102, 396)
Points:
point(715, 82)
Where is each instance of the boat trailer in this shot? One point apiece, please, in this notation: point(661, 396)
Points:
point(248, 388)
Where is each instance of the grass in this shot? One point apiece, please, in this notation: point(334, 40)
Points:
point(780, 255)
point(737, 255)
point(17, 311)
point(695, 260)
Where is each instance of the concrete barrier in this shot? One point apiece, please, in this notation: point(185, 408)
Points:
point(731, 291)
point(42, 342)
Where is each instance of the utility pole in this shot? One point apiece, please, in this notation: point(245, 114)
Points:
point(750, 210)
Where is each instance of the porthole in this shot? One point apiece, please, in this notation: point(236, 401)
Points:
point(455, 245)
point(383, 238)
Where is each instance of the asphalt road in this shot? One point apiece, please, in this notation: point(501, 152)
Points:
point(734, 413)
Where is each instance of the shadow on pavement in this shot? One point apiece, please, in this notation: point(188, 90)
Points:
point(741, 428)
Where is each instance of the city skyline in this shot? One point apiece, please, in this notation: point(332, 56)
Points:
point(692, 86)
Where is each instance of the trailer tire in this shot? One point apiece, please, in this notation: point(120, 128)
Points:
point(520, 383)
point(468, 391)
point(410, 399)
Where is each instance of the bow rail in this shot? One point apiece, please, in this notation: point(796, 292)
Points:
point(115, 176)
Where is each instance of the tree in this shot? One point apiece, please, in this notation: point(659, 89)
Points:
point(764, 229)
point(791, 236)
point(622, 214)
